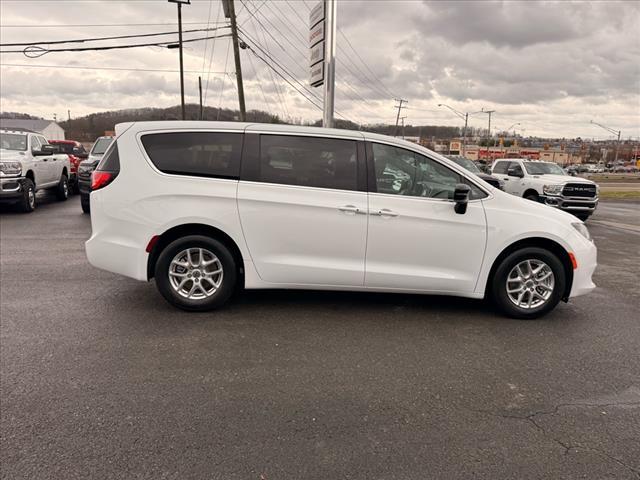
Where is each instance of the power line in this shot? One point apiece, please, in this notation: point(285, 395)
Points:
point(99, 39)
point(284, 78)
point(213, 48)
point(77, 67)
point(35, 52)
point(283, 103)
point(91, 25)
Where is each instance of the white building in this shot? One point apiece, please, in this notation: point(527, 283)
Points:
point(50, 129)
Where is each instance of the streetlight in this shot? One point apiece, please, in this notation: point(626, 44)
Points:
point(615, 132)
point(465, 117)
point(180, 3)
point(514, 132)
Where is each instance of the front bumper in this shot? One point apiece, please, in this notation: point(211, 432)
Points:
point(571, 204)
point(11, 189)
point(587, 260)
point(84, 185)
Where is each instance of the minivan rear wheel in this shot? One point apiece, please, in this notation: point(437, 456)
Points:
point(528, 283)
point(196, 273)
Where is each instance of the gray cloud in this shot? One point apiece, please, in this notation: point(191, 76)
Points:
point(553, 65)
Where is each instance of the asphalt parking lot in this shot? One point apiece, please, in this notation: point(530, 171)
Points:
point(101, 378)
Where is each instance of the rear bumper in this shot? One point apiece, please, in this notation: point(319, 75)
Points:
point(11, 189)
point(587, 260)
point(116, 245)
point(571, 204)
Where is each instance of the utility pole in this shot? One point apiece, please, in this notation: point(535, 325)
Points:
point(180, 3)
point(488, 112)
point(230, 13)
point(69, 115)
point(402, 118)
point(465, 117)
point(399, 107)
point(615, 132)
point(200, 91)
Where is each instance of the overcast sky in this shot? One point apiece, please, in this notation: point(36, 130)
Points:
point(552, 67)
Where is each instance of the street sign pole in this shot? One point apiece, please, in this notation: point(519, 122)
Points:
point(329, 63)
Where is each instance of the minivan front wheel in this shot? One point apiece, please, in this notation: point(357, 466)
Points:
point(196, 273)
point(528, 283)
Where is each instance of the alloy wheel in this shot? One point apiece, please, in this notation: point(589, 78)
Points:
point(530, 284)
point(195, 273)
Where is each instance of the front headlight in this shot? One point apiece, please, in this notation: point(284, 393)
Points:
point(582, 229)
point(552, 189)
point(11, 168)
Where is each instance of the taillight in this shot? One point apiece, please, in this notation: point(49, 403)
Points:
point(100, 179)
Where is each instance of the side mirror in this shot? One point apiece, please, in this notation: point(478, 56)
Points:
point(513, 172)
point(461, 198)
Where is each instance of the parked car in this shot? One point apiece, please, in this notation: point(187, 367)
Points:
point(547, 183)
point(473, 168)
point(87, 167)
point(207, 208)
point(28, 163)
point(77, 153)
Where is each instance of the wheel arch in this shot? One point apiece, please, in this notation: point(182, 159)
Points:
point(530, 191)
point(65, 172)
point(186, 229)
point(30, 175)
point(540, 242)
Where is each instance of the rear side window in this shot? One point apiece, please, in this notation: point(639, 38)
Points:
point(501, 167)
point(110, 162)
point(309, 161)
point(200, 154)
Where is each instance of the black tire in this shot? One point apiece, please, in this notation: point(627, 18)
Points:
point(498, 291)
point(229, 273)
point(84, 203)
point(532, 196)
point(28, 202)
point(62, 190)
point(582, 216)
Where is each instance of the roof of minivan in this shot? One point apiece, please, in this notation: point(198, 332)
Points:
point(261, 127)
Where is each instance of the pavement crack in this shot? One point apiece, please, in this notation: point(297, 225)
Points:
point(530, 418)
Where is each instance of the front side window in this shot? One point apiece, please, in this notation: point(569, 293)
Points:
point(308, 161)
point(35, 144)
point(403, 172)
point(515, 169)
point(200, 154)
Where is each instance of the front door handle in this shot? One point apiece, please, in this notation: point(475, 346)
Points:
point(385, 212)
point(350, 209)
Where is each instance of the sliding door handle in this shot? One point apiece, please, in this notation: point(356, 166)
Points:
point(350, 209)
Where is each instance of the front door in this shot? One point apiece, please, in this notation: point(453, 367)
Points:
point(303, 216)
point(416, 240)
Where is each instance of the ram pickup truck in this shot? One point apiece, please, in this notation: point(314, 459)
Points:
point(28, 163)
point(77, 153)
point(547, 183)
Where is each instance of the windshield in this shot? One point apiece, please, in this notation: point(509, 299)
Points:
point(101, 146)
point(542, 168)
point(13, 141)
point(465, 163)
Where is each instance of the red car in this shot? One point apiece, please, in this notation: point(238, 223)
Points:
point(76, 153)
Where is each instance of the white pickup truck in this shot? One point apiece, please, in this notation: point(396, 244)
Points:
point(28, 163)
point(547, 183)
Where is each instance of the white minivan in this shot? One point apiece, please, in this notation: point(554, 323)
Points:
point(207, 208)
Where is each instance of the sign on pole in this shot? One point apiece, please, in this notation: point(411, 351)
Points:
point(317, 74)
point(316, 45)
